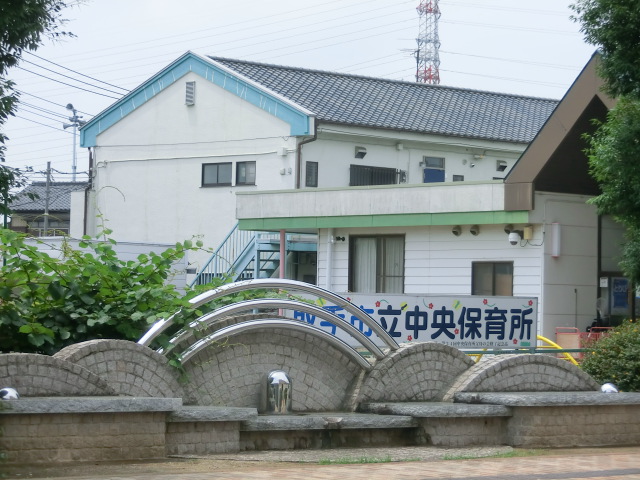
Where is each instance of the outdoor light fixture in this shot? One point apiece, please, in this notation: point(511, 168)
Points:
point(556, 240)
point(360, 152)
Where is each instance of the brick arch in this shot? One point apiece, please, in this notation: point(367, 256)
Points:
point(34, 375)
point(232, 373)
point(523, 373)
point(130, 369)
point(416, 372)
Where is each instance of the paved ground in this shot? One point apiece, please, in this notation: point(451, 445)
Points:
point(406, 463)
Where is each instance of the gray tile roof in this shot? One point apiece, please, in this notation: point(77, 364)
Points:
point(59, 197)
point(397, 105)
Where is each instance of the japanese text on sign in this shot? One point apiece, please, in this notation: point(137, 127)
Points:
point(462, 322)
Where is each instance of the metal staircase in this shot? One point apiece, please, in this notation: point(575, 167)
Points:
point(245, 255)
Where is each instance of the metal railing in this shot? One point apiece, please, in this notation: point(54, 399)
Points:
point(221, 262)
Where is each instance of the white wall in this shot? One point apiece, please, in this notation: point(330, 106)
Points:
point(335, 149)
point(437, 262)
point(149, 165)
point(570, 280)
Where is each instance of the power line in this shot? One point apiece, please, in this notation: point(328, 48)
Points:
point(67, 76)
point(22, 92)
point(67, 84)
point(74, 71)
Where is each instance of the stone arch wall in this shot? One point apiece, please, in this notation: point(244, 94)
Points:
point(232, 373)
point(129, 369)
point(34, 375)
point(522, 373)
point(416, 372)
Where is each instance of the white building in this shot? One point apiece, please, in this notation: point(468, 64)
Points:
point(409, 187)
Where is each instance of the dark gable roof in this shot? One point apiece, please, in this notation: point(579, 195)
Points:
point(408, 106)
point(59, 197)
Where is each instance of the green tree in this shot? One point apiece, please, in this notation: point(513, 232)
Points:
point(613, 26)
point(613, 150)
point(23, 26)
point(616, 358)
point(48, 302)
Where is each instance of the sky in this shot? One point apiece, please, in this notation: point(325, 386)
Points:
point(522, 47)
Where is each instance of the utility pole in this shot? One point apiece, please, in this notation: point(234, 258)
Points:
point(76, 122)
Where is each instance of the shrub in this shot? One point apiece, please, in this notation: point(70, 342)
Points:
point(47, 303)
point(615, 358)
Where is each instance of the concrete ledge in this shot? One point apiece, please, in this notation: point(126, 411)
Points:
point(212, 414)
point(547, 399)
point(328, 421)
point(437, 409)
point(50, 405)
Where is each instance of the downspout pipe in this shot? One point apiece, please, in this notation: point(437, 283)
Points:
point(86, 194)
point(299, 153)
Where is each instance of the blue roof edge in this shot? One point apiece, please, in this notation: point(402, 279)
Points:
point(299, 119)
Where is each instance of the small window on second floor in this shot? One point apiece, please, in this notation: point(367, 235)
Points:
point(433, 169)
point(216, 174)
point(433, 162)
point(311, 174)
point(246, 173)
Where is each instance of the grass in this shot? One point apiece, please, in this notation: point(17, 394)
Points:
point(350, 460)
point(510, 454)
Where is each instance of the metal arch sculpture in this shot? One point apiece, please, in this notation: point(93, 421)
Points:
point(205, 297)
point(222, 312)
point(274, 323)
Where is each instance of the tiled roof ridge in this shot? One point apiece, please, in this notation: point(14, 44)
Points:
point(378, 79)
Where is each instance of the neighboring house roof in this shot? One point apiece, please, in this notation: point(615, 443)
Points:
point(555, 161)
point(59, 197)
point(299, 96)
point(398, 105)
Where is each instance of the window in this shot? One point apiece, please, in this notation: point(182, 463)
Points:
point(458, 178)
point(311, 174)
point(366, 175)
point(246, 173)
point(492, 278)
point(433, 169)
point(216, 174)
point(433, 162)
point(376, 264)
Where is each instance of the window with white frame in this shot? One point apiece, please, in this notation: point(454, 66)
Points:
point(376, 264)
point(216, 174)
point(492, 278)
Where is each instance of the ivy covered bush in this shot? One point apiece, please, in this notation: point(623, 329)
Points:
point(47, 303)
point(615, 358)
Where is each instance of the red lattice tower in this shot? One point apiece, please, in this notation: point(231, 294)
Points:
point(427, 56)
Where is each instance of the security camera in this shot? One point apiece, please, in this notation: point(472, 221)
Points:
point(474, 230)
point(514, 238)
point(456, 230)
point(472, 165)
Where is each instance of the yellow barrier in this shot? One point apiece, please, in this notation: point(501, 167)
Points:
point(551, 344)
